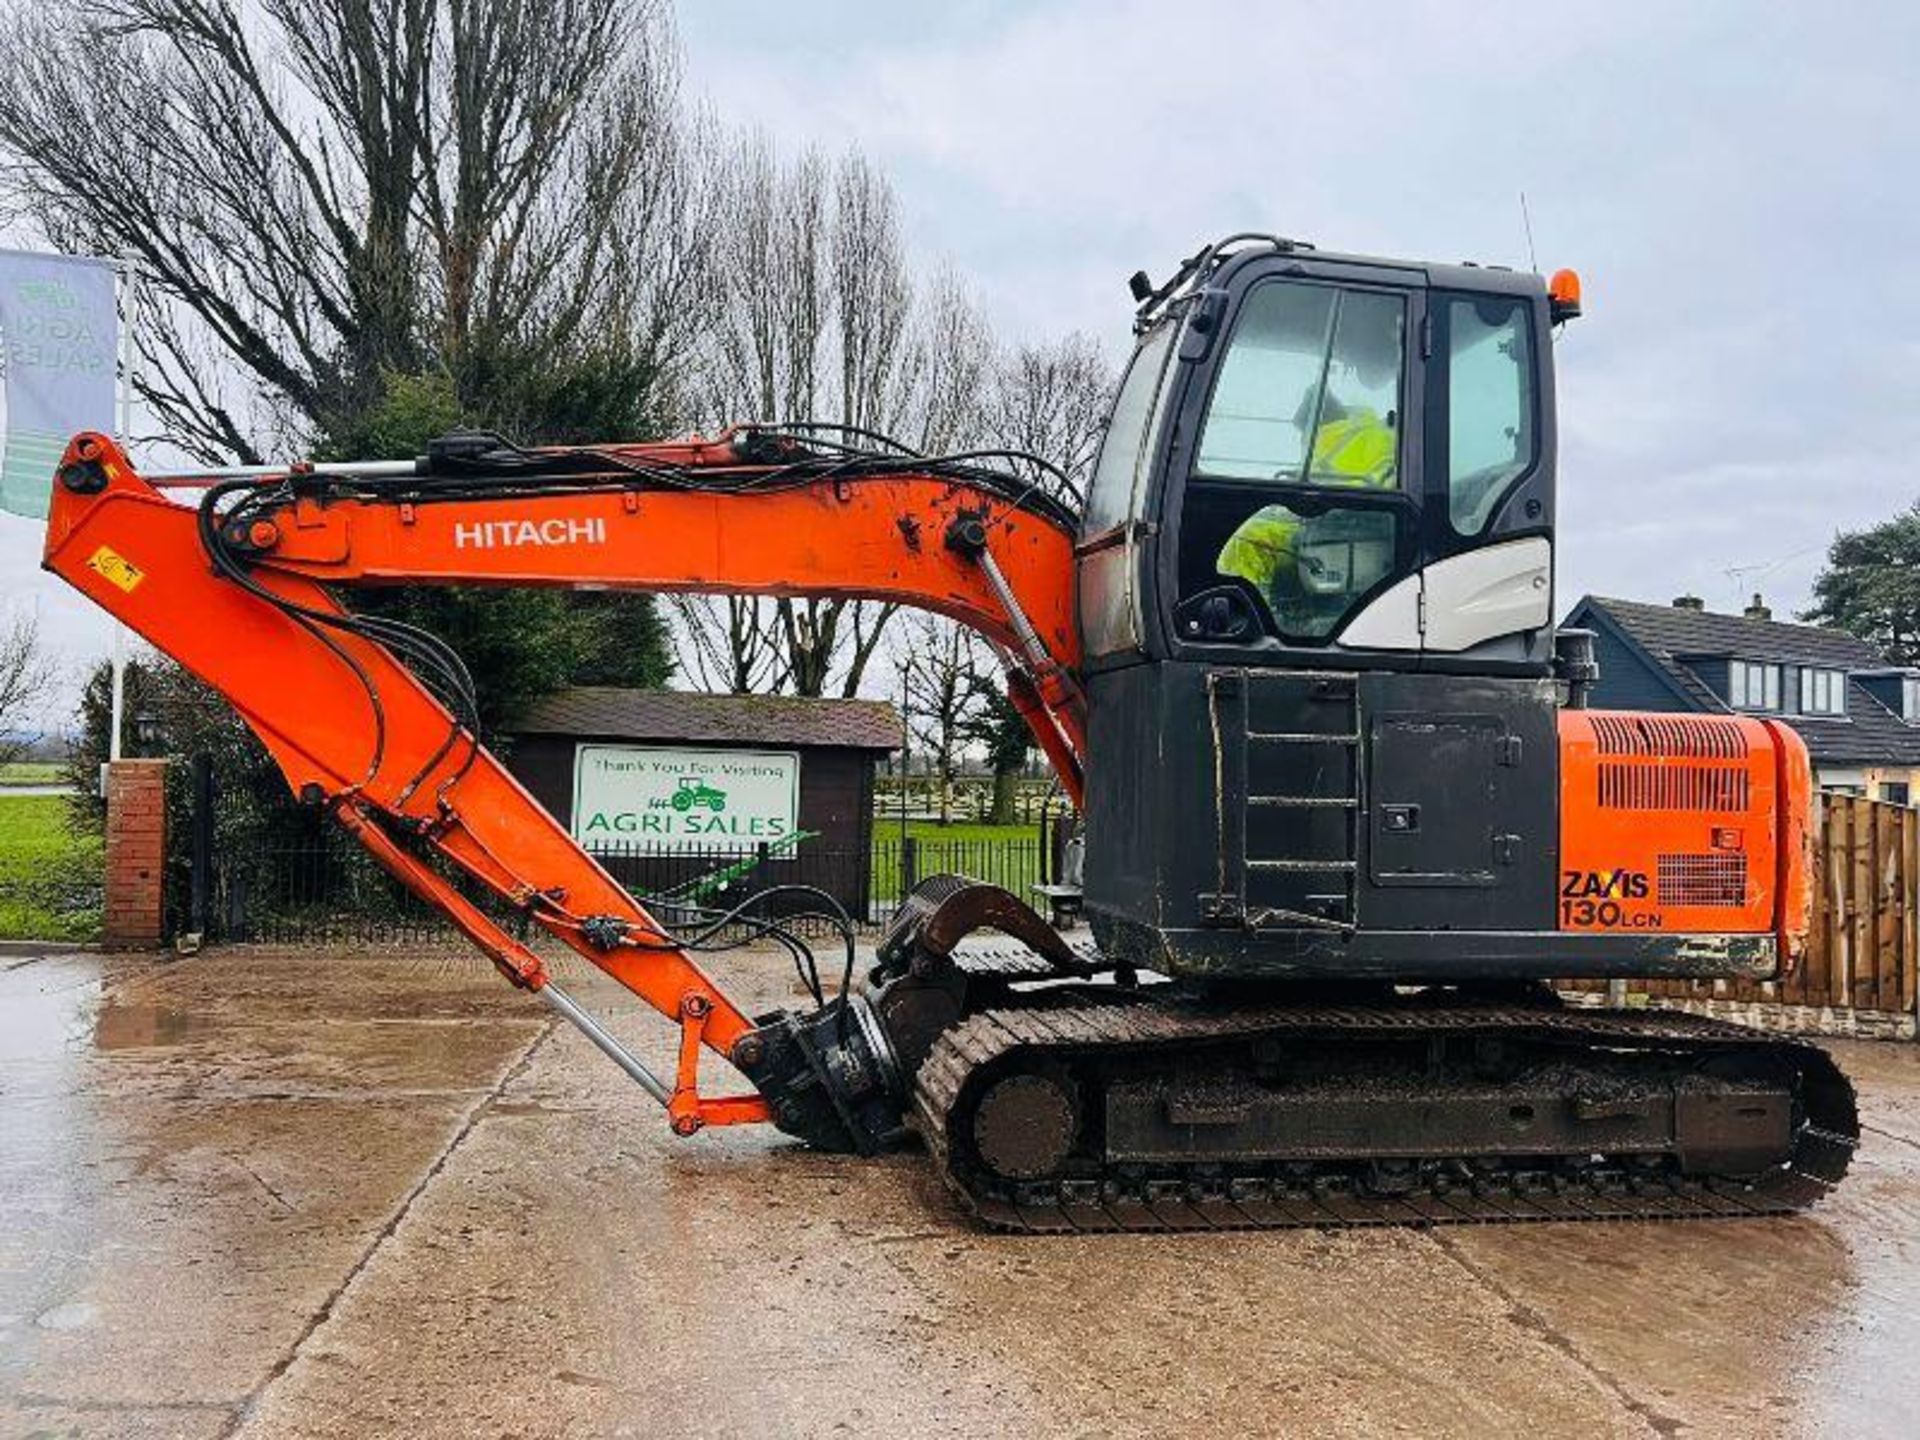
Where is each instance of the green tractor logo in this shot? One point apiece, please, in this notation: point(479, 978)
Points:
point(694, 792)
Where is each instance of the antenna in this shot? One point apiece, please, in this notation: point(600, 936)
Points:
point(1740, 576)
point(1737, 577)
point(1526, 223)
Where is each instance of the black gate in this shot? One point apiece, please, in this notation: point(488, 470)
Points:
point(315, 885)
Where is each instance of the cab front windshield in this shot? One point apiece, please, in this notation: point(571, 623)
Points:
point(1308, 395)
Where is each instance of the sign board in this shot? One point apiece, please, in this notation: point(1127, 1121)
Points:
point(59, 340)
point(643, 797)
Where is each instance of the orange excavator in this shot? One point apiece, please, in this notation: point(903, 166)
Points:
point(1347, 813)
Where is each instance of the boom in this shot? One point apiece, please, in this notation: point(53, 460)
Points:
point(239, 592)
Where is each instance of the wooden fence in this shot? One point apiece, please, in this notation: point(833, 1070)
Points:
point(1861, 954)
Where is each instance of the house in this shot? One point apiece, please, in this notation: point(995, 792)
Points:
point(1859, 716)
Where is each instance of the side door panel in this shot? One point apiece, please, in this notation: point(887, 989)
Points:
point(1462, 803)
point(1481, 595)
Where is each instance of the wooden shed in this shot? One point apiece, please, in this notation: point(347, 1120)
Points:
point(668, 786)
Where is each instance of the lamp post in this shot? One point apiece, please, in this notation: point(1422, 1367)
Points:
point(906, 748)
point(129, 299)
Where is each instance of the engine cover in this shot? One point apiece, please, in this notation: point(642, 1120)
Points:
point(1683, 824)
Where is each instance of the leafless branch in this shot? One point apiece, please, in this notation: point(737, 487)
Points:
point(26, 676)
point(326, 192)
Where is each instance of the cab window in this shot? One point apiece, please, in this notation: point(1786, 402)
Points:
point(1490, 406)
point(1110, 495)
point(1109, 604)
point(1309, 391)
point(1308, 398)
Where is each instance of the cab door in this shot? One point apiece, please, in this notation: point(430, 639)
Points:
point(1295, 491)
point(1487, 572)
point(1462, 755)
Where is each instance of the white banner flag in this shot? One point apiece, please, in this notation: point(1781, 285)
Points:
point(59, 338)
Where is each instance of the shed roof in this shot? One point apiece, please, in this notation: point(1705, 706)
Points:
point(670, 715)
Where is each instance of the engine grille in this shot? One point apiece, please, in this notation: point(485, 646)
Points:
point(1687, 737)
point(1716, 880)
point(1627, 786)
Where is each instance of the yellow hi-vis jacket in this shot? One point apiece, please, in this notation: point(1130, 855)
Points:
point(1357, 449)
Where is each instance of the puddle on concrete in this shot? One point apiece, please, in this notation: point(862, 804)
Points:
point(76, 1316)
point(45, 1013)
point(48, 1010)
point(135, 1027)
point(47, 1137)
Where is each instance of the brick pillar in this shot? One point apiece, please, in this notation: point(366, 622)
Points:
point(136, 853)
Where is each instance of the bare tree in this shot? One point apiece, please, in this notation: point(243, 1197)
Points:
point(821, 318)
point(955, 362)
point(1047, 400)
point(326, 191)
point(873, 300)
point(761, 361)
point(26, 677)
point(945, 673)
point(725, 643)
point(1051, 400)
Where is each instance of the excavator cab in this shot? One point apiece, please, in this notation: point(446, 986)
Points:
point(1328, 460)
point(1315, 596)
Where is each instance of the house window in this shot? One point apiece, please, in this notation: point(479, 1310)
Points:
point(1823, 692)
point(1895, 792)
point(1753, 686)
point(1910, 699)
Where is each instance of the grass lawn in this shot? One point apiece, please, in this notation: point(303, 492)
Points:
point(1005, 855)
point(887, 829)
point(49, 878)
point(30, 772)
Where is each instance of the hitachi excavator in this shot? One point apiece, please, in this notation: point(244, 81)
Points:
point(1347, 814)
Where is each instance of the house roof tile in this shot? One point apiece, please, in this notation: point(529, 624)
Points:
point(1681, 632)
point(1869, 733)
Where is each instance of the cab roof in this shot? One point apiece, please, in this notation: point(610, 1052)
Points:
point(1217, 261)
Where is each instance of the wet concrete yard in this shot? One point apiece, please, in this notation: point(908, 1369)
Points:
point(369, 1193)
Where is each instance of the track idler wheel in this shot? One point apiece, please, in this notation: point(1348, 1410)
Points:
point(1025, 1125)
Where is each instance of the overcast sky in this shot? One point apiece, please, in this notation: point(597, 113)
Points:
point(1733, 182)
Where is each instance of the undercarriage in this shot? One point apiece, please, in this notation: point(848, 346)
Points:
point(1056, 1093)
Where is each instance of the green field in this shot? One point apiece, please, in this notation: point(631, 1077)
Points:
point(49, 877)
point(887, 830)
point(30, 772)
point(1005, 855)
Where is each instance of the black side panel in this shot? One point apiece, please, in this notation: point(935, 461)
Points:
point(1131, 748)
point(1287, 814)
point(1463, 819)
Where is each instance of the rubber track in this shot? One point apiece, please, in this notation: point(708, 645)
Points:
point(1187, 1198)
